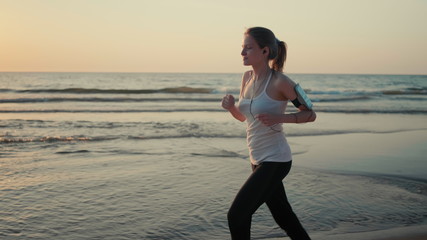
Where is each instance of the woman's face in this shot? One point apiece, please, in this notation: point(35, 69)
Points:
point(251, 52)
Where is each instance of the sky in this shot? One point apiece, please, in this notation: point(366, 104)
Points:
point(328, 36)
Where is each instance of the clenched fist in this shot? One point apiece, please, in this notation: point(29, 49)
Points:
point(228, 101)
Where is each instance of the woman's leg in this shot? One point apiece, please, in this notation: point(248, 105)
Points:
point(258, 188)
point(284, 216)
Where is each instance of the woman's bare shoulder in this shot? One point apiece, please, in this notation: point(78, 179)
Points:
point(246, 76)
point(284, 81)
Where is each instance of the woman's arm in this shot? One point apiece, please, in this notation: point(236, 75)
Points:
point(228, 101)
point(304, 115)
point(232, 108)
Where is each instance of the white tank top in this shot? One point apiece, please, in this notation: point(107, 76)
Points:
point(266, 144)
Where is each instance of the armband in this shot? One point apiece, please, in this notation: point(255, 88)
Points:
point(302, 97)
point(296, 102)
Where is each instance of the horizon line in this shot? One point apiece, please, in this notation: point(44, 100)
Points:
point(172, 72)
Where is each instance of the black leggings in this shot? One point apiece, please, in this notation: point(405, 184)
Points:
point(264, 186)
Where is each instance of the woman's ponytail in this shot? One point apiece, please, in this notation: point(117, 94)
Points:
point(279, 62)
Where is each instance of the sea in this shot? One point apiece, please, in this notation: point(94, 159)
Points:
point(154, 156)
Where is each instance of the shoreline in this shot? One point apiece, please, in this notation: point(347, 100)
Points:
point(395, 154)
point(417, 232)
point(218, 164)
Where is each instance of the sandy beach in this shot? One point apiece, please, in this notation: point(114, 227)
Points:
point(404, 233)
point(366, 153)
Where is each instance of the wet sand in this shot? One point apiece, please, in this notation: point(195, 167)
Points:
point(403, 233)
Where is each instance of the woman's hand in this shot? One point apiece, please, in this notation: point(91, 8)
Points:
point(228, 102)
point(269, 119)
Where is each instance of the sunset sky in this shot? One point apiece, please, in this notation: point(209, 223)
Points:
point(328, 36)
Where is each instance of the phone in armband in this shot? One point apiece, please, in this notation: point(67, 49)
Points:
point(302, 97)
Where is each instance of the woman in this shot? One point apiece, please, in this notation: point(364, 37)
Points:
point(264, 94)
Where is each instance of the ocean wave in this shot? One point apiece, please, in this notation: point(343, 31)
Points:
point(45, 100)
point(52, 139)
point(158, 99)
point(194, 134)
point(218, 90)
point(111, 110)
point(208, 99)
point(113, 91)
point(317, 109)
point(73, 152)
point(406, 91)
point(342, 99)
point(373, 111)
point(367, 93)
